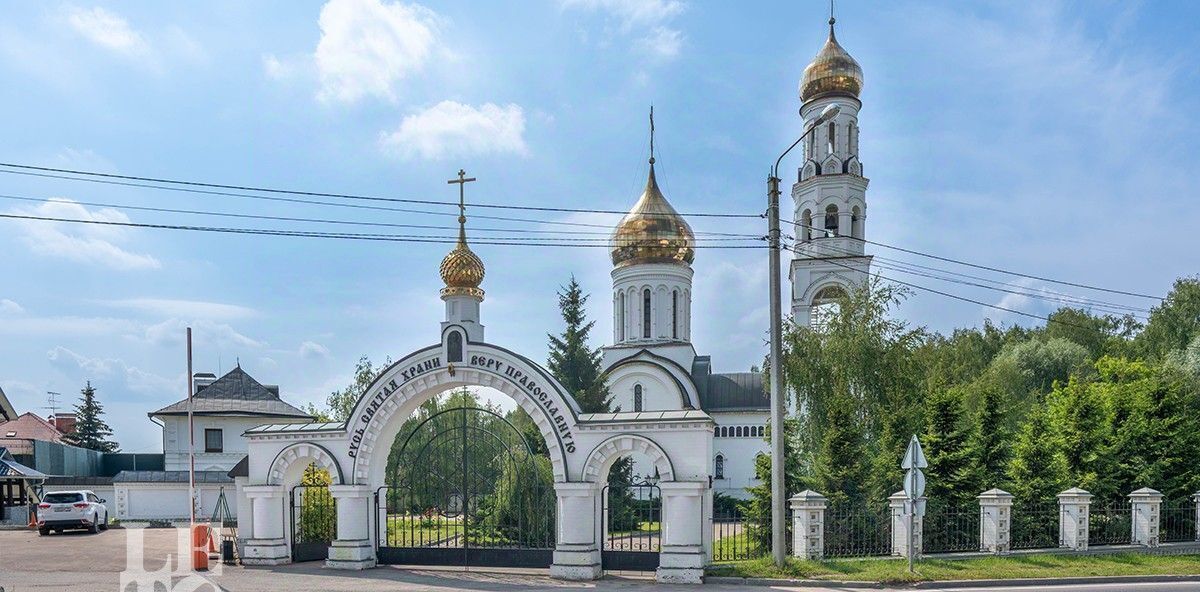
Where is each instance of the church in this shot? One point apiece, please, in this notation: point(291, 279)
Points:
point(652, 364)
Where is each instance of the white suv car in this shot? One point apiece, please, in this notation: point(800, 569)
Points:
point(61, 510)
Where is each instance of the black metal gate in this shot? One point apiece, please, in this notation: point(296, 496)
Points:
point(314, 522)
point(466, 488)
point(632, 526)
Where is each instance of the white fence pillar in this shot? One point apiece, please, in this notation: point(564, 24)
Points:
point(898, 504)
point(1073, 507)
point(576, 551)
point(995, 521)
point(266, 545)
point(1196, 500)
point(353, 548)
point(808, 524)
point(1146, 504)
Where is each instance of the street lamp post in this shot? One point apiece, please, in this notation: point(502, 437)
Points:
point(778, 510)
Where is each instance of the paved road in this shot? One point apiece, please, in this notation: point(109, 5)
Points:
point(95, 562)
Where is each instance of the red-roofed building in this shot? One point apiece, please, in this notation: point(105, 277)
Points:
point(18, 435)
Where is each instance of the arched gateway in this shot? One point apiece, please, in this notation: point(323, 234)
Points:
point(418, 511)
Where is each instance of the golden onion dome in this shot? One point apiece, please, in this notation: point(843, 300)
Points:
point(653, 232)
point(462, 270)
point(832, 72)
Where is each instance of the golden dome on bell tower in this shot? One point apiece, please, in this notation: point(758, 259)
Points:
point(832, 72)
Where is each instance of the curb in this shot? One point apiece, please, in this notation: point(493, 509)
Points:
point(1016, 583)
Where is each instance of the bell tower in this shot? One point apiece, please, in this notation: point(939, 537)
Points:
point(830, 193)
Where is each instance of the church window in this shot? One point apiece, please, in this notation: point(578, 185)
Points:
point(637, 397)
point(762, 431)
point(831, 221)
point(454, 347)
point(856, 223)
point(852, 138)
point(646, 313)
point(832, 134)
point(738, 431)
point(621, 319)
point(719, 468)
point(825, 305)
point(675, 314)
point(805, 223)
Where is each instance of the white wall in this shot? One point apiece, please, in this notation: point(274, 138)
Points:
point(147, 501)
point(739, 452)
point(175, 440)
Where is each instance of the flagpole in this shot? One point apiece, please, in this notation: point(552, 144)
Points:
point(191, 442)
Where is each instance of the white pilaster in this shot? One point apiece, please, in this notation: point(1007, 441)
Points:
point(1196, 500)
point(682, 558)
point(577, 553)
point(1073, 507)
point(898, 504)
point(353, 548)
point(995, 521)
point(266, 546)
point(808, 524)
point(1146, 504)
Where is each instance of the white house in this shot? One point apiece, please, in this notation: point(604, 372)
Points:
point(223, 409)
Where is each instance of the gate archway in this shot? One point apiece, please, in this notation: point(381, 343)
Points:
point(465, 487)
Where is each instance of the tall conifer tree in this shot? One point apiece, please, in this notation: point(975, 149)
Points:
point(90, 429)
point(571, 361)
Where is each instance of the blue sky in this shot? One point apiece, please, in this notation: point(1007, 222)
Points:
point(1054, 138)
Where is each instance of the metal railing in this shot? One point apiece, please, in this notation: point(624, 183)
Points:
point(737, 537)
point(1178, 522)
point(1035, 525)
point(1110, 524)
point(951, 527)
point(858, 531)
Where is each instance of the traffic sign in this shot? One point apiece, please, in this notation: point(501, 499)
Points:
point(914, 484)
point(914, 458)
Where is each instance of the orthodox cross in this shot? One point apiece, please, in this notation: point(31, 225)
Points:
point(651, 134)
point(461, 181)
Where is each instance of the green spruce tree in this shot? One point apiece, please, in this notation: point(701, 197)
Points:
point(571, 361)
point(989, 442)
point(950, 468)
point(90, 430)
point(1037, 472)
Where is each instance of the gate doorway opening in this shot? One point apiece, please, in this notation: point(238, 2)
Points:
point(467, 487)
point(313, 514)
point(632, 521)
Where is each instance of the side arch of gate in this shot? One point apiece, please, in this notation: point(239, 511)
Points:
point(310, 526)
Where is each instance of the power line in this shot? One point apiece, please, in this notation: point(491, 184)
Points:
point(349, 195)
point(356, 206)
point(510, 241)
point(327, 221)
point(978, 266)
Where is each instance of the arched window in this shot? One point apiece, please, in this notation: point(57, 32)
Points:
point(825, 305)
point(805, 225)
point(646, 313)
point(719, 467)
point(852, 139)
point(454, 347)
point(721, 432)
point(675, 314)
point(762, 431)
point(621, 319)
point(637, 397)
point(831, 220)
point(832, 134)
point(856, 222)
point(738, 431)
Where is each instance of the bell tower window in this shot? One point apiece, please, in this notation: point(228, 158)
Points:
point(831, 221)
point(621, 318)
point(637, 398)
point(646, 313)
point(675, 314)
point(832, 134)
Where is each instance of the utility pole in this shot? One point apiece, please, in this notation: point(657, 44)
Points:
point(778, 488)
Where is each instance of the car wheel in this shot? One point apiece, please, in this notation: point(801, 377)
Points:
point(43, 531)
point(94, 528)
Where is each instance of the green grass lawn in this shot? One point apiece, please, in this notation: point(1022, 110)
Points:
point(1022, 566)
point(408, 531)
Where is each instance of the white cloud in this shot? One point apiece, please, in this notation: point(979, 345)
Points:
point(184, 308)
point(8, 307)
point(83, 243)
point(454, 129)
point(311, 350)
point(278, 68)
point(111, 370)
point(368, 46)
point(647, 19)
point(220, 335)
point(107, 29)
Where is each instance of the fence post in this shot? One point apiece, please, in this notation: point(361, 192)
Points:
point(1196, 500)
point(896, 503)
point(1073, 506)
point(808, 524)
point(1146, 504)
point(995, 521)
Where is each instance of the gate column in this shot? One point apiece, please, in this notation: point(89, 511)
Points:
point(353, 548)
point(266, 545)
point(682, 557)
point(577, 552)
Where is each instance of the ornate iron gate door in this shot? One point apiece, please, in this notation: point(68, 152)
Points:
point(314, 522)
point(465, 488)
point(632, 527)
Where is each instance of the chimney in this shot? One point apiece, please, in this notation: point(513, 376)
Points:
point(201, 380)
point(64, 422)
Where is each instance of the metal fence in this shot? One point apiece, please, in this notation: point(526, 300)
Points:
point(858, 532)
point(1178, 522)
point(1110, 524)
point(737, 537)
point(1035, 525)
point(951, 527)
